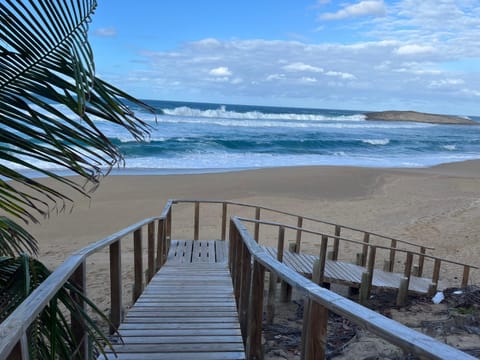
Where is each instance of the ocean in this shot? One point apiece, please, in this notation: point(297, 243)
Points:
point(199, 137)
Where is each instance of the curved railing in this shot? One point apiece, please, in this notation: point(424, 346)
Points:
point(248, 267)
point(13, 330)
point(414, 254)
point(248, 274)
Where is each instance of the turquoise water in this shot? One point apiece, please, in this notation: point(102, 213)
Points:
point(199, 137)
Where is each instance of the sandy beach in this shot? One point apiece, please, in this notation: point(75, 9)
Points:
point(438, 206)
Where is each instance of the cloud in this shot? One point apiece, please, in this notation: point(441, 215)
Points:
point(106, 32)
point(307, 79)
point(414, 49)
point(343, 75)
point(221, 71)
point(446, 83)
point(301, 67)
point(420, 52)
point(363, 8)
point(292, 71)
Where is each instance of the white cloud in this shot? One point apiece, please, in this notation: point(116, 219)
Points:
point(414, 49)
point(106, 32)
point(274, 77)
point(209, 42)
point(343, 75)
point(446, 83)
point(405, 69)
point(221, 71)
point(301, 67)
point(363, 8)
point(307, 80)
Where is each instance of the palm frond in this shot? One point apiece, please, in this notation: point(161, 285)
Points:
point(45, 59)
point(50, 335)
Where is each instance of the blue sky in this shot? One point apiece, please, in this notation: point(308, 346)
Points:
point(367, 55)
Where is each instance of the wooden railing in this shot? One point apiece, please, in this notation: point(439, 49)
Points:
point(13, 330)
point(300, 221)
point(369, 242)
point(248, 266)
point(248, 269)
point(367, 257)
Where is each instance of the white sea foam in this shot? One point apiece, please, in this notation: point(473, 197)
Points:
point(222, 113)
point(245, 123)
point(450, 147)
point(376, 141)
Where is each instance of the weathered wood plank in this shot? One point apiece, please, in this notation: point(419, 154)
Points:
point(239, 355)
point(187, 311)
point(349, 274)
point(172, 348)
point(180, 332)
point(178, 326)
point(181, 340)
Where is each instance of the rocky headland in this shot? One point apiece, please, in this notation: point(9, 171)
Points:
point(418, 117)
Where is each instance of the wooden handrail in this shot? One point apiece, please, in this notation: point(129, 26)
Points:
point(367, 245)
point(244, 255)
point(390, 330)
point(281, 212)
point(15, 326)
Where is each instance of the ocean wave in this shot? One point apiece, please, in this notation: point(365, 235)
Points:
point(223, 113)
point(376, 141)
point(450, 147)
point(244, 123)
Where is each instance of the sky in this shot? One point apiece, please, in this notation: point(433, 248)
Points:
point(419, 55)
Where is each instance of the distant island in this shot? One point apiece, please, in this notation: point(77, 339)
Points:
point(418, 117)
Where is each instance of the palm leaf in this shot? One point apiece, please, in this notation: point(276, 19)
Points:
point(45, 59)
point(50, 335)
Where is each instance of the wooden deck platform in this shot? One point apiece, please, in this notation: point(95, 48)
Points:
point(349, 274)
point(187, 311)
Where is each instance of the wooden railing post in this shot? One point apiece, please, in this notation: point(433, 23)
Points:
point(196, 222)
point(421, 261)
point(371, 268)
point(393, 245)
point(238, 268)
point(168, 230)
point(320, 275)
point(151, 250)
point(298, 240)
point(232, 237)
point(160, 244)
point(405, 282)
point(137, 264)
point(224, 221)
point(245, 290)
point(115, 286)
point(79, 332)
point(272, 290)
point(366, 240)
point(316, 331)
point(255, 313)
point(256, 233)
point(336, 242)
point(436, 274)
point(466, 273)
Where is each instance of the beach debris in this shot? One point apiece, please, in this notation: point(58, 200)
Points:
point(438, 298)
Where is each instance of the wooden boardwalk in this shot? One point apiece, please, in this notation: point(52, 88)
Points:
point(349, 274)
point(187, 311)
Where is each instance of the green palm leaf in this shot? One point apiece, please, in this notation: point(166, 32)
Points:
point(50, 335)
point(45, 59)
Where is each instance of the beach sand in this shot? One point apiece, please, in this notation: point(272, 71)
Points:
point(438, 207)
